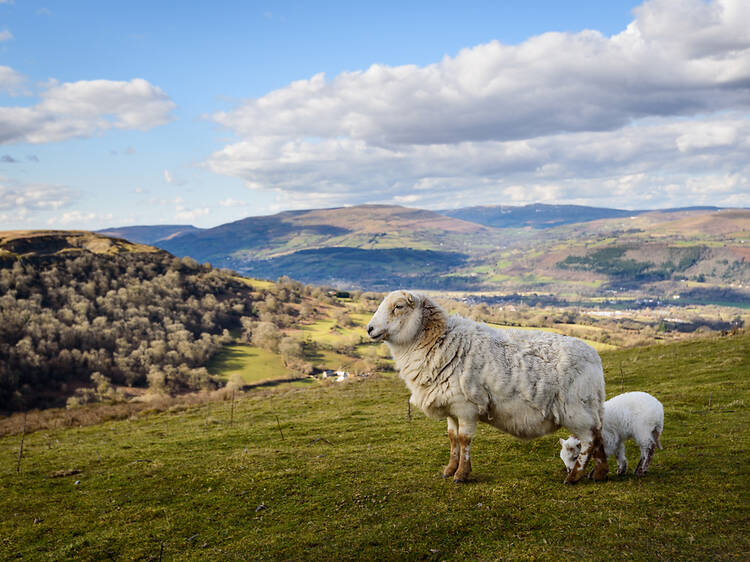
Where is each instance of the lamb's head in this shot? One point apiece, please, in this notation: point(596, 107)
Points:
point(571, 448)
point(399, 319)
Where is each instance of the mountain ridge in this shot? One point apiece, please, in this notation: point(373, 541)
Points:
point(540, 248)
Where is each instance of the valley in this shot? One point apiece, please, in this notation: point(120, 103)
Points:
point(571, 253)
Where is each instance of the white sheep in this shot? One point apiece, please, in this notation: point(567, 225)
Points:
point(525, 382)
point(633, 415)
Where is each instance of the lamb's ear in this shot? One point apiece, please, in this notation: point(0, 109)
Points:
point(562, 442)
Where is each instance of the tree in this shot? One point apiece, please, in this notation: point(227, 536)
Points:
point(267, 336)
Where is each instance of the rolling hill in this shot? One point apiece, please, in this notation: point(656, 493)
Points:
point(563, 249)
point(149, 234)
point(370, 246)
point(78, 307)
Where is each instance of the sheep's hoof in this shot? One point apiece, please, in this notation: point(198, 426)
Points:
point(574, 477)
point(459, 480)
point(449, 471)
point(621, 472)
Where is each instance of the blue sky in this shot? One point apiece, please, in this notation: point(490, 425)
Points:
point(202, 113)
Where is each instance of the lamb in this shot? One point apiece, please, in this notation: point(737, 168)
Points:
point(526, 383)
point(633, 415)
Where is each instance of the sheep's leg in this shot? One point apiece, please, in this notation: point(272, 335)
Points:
point(466, 430)
point(578, 470)
point(601, 466)
point(622, 461)
point(450, 470)
point(591, 446)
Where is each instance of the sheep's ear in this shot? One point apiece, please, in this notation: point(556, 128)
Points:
point(410, 299)
point(562, 441)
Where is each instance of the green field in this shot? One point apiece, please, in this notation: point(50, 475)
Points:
point(253, 363)
point(599, 346)
point(323, 331)
point(339, 472)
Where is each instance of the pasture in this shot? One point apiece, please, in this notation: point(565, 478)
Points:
point(253, 363)
point(340, 472)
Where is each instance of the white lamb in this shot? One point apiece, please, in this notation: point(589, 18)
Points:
point(633, 415)
point(526, 383)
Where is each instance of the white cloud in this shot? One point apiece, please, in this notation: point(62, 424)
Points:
point(229, 202)
point(552, 119)
point(85, 108)
point(5, 35)
point(171, 179)
point(182, 213)
point(79, 218)
point(22, 198)
point(11, 82)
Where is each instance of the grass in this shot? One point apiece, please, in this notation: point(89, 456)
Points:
point(323, 331)
point(352, 478)
point(253, 363)
point(256, 283)
point(599, 346)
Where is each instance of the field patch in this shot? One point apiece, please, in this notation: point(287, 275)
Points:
point(253, 363)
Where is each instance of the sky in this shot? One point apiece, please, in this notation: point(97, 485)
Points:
point(131, 113)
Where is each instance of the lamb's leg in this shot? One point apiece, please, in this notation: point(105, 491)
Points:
point(466, 430)
point(647, 454)
point(622, 461)
point(450, 470)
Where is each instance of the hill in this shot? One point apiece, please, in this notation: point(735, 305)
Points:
point(87, 318)
point(535, 216)
point(579, 252)
point(340, 472)
point(328, 245)
point(149, 234)
point(77, 308)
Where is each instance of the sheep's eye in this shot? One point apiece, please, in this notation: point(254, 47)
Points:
point(398, 307)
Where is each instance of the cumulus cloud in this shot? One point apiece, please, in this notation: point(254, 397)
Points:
point(77, 218)
point(667, 97)
point(22, 198)
point(5, 35)
point(85, 108)
point(184, 214)
point(11, 82)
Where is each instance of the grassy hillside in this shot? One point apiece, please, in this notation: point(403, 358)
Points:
point(366, 227)
point(339, 472)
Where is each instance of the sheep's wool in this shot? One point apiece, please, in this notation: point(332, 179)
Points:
point(525, 382)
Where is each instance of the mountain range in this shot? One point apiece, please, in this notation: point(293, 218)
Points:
point(564, 249)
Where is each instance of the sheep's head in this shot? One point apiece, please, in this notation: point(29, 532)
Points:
point(398, 319)
point(571, 448)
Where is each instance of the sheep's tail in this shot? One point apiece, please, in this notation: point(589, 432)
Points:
point(655, 434)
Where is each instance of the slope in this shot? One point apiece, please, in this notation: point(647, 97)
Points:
point(149, 234)
point(340, 473)
point(265, 246)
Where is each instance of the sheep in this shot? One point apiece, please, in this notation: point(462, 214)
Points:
point(633, 415)
point(527, 383)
